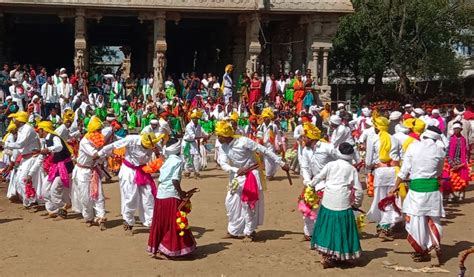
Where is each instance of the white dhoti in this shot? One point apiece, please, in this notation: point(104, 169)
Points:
point(270, 167)
point(203, 156)
point(135, 198)
point(22, 173)
point(11, 192)
point(56, 195)
point(192, 160)
point(81, 198)
point(424, 211)
point(384, 180)
point(244, 220)
point(308, 227)
point(227, 95)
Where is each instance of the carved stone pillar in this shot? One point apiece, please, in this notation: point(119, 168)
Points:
point(80, 41)
point(253, 45)
point(325, 66)
point(239, 52)
point(159, 59)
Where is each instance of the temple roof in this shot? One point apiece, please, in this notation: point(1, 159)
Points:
point(285, 6)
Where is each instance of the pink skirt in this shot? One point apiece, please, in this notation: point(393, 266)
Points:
point(164, 233)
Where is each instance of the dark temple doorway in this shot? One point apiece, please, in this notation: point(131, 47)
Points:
point(200, 45)
point(38, 39)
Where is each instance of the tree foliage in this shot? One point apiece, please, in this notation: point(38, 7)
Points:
point(414, 38)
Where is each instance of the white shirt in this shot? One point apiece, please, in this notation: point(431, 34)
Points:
point(57, 145)
point(266, 132)
point(240, 153)
point(372, 156)
point(27, 140)
point(341, 134)
point(337, 179)
point(366, 134)
point(312, 161)
point(64, 90)
point(63, 132)
point(171, 170)
point(423, 159)
point(135, 152)
point(87, 151)
point(149, 129)
point(192, 132)
point(49, 93)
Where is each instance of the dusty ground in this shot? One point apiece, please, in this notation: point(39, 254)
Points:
point(32, 245)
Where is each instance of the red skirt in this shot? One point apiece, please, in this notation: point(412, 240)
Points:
point(164, 233)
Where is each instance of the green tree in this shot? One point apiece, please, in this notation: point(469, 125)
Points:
point(412, 37)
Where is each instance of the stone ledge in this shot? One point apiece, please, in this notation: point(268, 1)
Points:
point(336, 6)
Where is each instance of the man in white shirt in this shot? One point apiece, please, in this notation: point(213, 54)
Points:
point(383, 158)
point(228, 84)
point(138, 189)
point(190, 149)
point(17, 93)
point(50, 95)
point(152, 128)
point(65, 93)
point(244, 201)
point(28, 146)
point(423, 205)
point(314, 156)
point(268, 131)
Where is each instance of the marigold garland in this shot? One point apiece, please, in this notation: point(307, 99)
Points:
point(97, 138)
point(153, 166)
point(182, 218)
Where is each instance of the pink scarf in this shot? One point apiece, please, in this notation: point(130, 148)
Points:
point(463, 171)
point(62, 170)
point(141, 177)
point(250, 190)
point(441, 125)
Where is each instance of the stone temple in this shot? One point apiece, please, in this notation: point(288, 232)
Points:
point(175, 36)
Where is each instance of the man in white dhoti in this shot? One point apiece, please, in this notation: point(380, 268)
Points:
point(423, 205)
point(65, 92)
point(190, 148)
point(60, 166)
point(28, 145)
point(244, 201)
point(314, 156)
point(227, 84)
point(268, 131)
point(383, 159)
point(87, 193)
point(137, 187)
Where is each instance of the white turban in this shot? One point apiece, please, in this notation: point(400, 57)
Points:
point(173, 149)
point(419, 111)
point(154, 121)
point(396, 115)
point(399, 128)
point(431, 134)
point(435, 111)
point(366, 112)
point(335, 119)
point(457, 125)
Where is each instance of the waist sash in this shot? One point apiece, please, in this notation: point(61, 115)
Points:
point(424, 185)
point(141, 177)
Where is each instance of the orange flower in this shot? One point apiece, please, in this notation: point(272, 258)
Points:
point(97, 138)
point(153, 166)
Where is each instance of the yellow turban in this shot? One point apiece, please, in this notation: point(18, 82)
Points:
point(268, 113)
point(47, 126)
point(381, 123)
point(11, 127)
point(229, 68)
point(95, 124)
point(149, 140)
point(415, 124)
point(68, 115)
point(20, 116)
point(224, 129)
point(234, 116)
point(311, 131)
point(196, 114)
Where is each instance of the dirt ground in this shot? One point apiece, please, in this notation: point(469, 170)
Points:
point(33, 245)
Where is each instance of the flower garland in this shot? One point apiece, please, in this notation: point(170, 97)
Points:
point(30, 191)
point(233, 186)
point(97, 138)
point(182, 218)
point(360, 222)
point(153, 166)
point(308, 202)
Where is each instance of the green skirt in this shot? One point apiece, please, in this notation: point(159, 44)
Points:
point(335, 234)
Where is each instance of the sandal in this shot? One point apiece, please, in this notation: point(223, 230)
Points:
point(62, 213)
